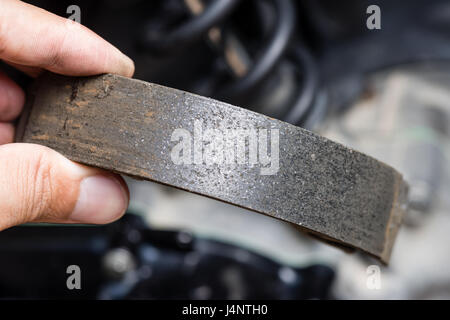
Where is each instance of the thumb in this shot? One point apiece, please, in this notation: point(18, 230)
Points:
point(38, 184)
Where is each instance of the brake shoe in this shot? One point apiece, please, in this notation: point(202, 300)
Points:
point(217, 150)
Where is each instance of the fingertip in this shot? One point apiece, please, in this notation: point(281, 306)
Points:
point(12, 98)
point(85, 53)
point(6, 133)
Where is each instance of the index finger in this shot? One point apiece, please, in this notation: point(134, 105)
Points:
point(31, 36)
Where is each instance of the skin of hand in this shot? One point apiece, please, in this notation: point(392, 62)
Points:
point(38, 184)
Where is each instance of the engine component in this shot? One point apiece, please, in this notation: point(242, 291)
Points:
point(157, 266)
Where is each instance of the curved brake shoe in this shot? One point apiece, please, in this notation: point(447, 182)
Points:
point(220, 151)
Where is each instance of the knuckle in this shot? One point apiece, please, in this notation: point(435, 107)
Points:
point(55, 56)
point(38, 191)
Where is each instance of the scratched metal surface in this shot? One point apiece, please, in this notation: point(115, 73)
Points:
point(126, 126)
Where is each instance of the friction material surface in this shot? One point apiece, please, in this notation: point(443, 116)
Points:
point(127, 126)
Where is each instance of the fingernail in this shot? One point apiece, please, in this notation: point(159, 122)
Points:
point(101, 199)
point(125, 67)
point(129, 66)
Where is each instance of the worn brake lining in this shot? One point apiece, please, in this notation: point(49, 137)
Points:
point(220, 151)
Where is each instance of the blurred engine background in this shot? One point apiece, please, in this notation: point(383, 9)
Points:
point(313, 63)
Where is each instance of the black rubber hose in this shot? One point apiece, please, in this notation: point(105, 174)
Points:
point(191, 30)
point(271, 54)
point(310, 84)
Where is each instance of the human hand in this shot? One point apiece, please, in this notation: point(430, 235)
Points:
point(38, 184)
